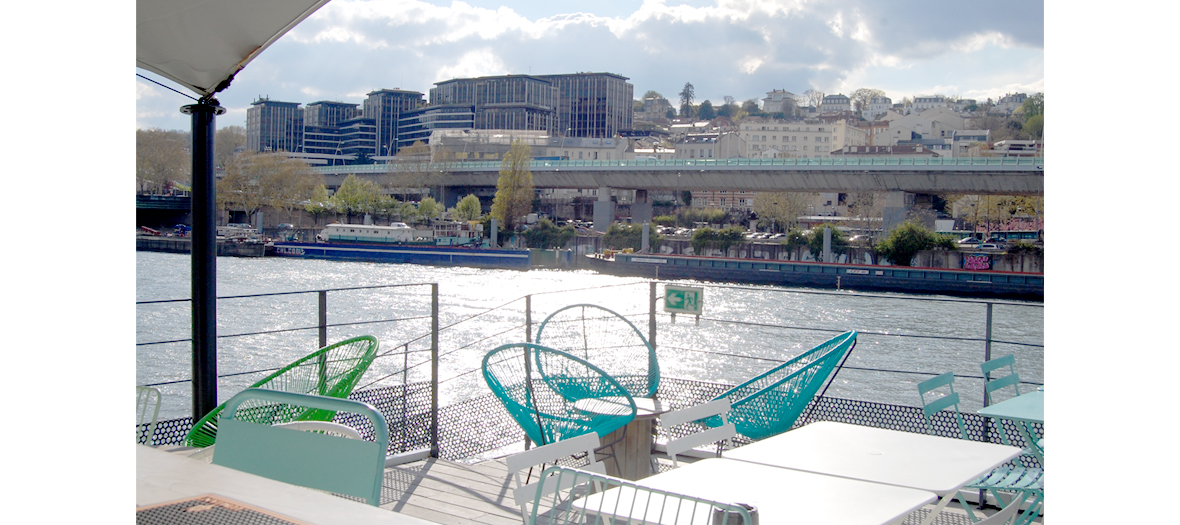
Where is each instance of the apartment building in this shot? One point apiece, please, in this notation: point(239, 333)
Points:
point(806, 139)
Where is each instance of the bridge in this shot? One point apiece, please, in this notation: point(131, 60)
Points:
point(967, 175)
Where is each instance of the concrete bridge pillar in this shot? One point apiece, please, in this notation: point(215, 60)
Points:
point(604, 210)
point(897, 207)
point(641, 209)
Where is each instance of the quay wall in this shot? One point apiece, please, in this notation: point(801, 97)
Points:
point(944, 259)
point(185, 245)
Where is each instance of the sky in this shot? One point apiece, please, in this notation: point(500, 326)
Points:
point(738, 48)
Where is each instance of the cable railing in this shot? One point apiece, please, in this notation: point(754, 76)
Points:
point(729, 344)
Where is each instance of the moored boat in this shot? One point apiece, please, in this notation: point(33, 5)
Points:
point(444, 243)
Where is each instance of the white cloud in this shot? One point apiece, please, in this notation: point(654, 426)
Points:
point(477, 63)
point(740, 48)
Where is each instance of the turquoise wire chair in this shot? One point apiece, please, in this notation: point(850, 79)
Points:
point(331, 371)
point(309, 459)
point(572, 398)
point(147, 407)
point(770, 403)
point(607, 339)
point(1024, 481)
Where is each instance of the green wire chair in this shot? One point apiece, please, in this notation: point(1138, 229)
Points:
point(770, 403)
point(332, 371)
point(1013, 380)
point(1024, 481)
point(608, 340)
point(573, 398)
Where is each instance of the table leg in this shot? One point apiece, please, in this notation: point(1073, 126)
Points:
point(633, 451)
point(938, 508)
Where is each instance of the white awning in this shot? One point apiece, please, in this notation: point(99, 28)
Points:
point(202, 44)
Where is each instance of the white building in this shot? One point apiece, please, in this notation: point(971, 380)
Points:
point(833, 103)
point(925, 102)
point(778, 101)
point(807, 139)
point(878, 107)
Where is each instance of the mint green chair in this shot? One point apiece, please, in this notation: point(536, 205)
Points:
point(331, 371)
point(1012, 379)
point(607, 339)
point(309, 459)
point(553, 395)
point(770, 403)
point(1025, 482)
point(147, 408)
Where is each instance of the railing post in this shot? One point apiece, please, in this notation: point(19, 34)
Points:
point(528, 338)
point(323, 318)
point(528, 319)
point(434, 370)
point(651, 315)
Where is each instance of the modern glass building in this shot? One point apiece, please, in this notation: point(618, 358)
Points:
point(274, 126)
point(519, 102)
point(385, 107)
point(593, 104)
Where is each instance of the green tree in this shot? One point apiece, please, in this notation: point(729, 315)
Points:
point(905, 241)
point(514, 189)
point(1033, 106)
point(624, 236)
point(686, 97)
point(795, 242)
point(815, 244)
point(750, 108)
point(721, 240)
point(285, 182)
point(706, 111)
point(651, 93)
point(319, 204)
point(468, 208)
point(548, 236)
point(356, 196)
point(1034, 126)
point(428, 208)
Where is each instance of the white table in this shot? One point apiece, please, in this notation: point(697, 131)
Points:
point(163, 477)
point(937, 464)
point(779, 495)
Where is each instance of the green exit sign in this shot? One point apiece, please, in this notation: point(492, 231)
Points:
point(684, 299)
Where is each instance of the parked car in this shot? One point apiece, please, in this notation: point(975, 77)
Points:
point(990, 246)
point(286, 226)
point(969, 240)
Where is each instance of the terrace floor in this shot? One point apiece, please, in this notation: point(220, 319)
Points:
point(453, 493)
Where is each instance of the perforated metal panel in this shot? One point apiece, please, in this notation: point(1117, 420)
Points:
point(475, 426)
point(208, 509)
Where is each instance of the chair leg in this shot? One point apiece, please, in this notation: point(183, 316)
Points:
point(611, 446)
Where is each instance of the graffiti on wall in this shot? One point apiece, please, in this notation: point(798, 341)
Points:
point(977, 261)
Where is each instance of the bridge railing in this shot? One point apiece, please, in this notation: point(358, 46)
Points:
point(935, 162)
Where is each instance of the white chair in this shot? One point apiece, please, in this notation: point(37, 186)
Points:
point(527, 491)
point(622, 501)
point(716, 408)
point(147, 407)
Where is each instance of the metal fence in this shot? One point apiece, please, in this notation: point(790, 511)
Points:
point(698, 364)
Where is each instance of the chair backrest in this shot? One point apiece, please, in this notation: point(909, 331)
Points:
point(621, 501)
point(771, 402)
point(521, 465)
point(936, 403)
point(694, 415)
point(608, 340)
point(147, 408)
point(331, 371)
point(996, 383)
point(553, 395)
point(309, 459)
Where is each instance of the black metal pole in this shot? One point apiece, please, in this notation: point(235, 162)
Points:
point(204, 257)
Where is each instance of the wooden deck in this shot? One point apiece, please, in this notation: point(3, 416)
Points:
point(452, 493)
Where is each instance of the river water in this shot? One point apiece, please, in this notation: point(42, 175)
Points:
point(744, 330)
